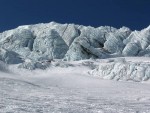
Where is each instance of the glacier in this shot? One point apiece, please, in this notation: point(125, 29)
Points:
point(36, 46)
point(74, 42)
point(63, 68)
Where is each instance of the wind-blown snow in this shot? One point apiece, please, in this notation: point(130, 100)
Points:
point(67, 87)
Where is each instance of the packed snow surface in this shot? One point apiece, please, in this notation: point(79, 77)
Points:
point(66, 87)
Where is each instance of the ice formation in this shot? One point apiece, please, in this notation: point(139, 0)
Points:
point(34, 46)
point(121, 69)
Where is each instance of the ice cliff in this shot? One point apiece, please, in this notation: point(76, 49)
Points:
point(31, 45)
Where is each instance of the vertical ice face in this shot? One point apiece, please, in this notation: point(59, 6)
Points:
point(89, 44)
point(50, 43)
point(10, 57)
point(74, 42)
point(114, 42)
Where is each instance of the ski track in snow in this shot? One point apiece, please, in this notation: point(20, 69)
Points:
point(70, 90)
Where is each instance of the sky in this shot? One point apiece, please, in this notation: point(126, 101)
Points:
point(134, 14)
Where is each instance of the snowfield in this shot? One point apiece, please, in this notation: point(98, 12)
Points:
point(67, 87)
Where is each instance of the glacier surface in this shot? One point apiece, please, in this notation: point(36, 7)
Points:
point(73, 42)
point(123, 69)
point(61, 68)
point(36, 46)
point(67, 87)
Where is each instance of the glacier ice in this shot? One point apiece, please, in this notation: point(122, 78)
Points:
point(114, 42)
point(9, 57)
point(120, 69)
point(64, 56)
point(50, 43)
point(3, 67)
point(70, 42)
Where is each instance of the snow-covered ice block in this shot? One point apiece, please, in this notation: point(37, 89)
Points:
point(51, 44)
point(73, 42)
point(123, 70)
point(31, 65)
point(10, 57)
point(114, 40)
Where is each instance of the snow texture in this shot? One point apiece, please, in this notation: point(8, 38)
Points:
point(120, 69)
point(66, 87)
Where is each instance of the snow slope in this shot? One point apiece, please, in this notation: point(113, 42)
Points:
point(67, 87)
